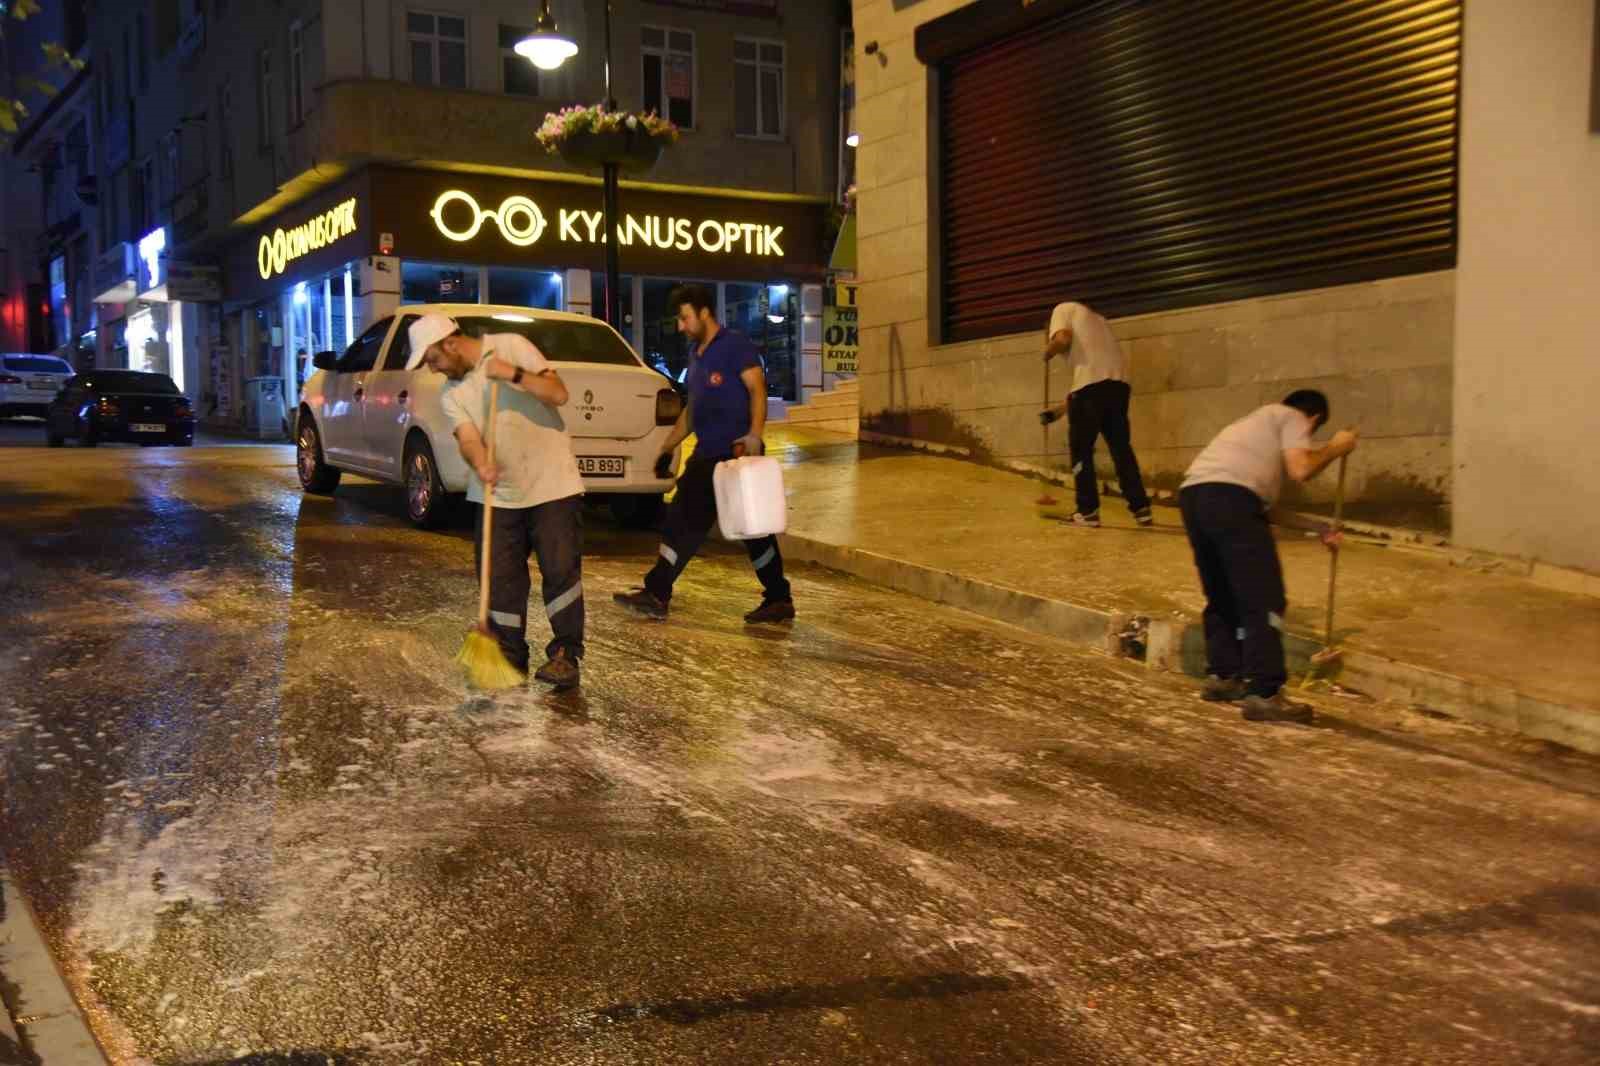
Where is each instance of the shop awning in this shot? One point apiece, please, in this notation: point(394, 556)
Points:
point(843, 260)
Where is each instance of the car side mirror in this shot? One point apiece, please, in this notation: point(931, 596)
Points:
point(325, 360)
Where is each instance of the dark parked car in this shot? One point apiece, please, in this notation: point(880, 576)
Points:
point(126, 405)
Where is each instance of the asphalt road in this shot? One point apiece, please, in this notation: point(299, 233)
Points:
point(260, 816)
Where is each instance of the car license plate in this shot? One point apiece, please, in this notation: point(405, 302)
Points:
point(602, 466)
point(42, 386)
point(148, 427)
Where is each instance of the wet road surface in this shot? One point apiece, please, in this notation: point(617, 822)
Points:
point(259, 814)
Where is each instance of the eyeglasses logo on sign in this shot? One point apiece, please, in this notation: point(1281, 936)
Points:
point(522, 223)
point(519, 218)
point(276, 252)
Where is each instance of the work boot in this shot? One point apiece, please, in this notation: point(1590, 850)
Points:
point(1144, 517)
point(1223, 690)
point(643, 602)
point(560, 671)
point(771, 611)
point(1089, 521)
point(1275, 708)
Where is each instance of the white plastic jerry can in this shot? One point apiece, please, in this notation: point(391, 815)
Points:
point(750, 501)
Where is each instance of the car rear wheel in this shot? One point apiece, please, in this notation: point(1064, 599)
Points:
point(315, 475)
point(636, 510)
point(426, 501)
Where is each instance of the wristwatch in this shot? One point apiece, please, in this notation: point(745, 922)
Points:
point(516, 378)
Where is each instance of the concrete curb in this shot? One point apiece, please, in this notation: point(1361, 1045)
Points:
point(1178, 644)
point(49, 1015)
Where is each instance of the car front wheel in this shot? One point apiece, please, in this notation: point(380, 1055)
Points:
point(425, 495)
point(315, 475)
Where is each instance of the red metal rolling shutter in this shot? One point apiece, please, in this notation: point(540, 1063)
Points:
point(1139, 155)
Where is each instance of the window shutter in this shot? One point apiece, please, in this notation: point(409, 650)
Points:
point(1139, 155)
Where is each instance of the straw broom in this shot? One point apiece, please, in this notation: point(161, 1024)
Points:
point(480, 653)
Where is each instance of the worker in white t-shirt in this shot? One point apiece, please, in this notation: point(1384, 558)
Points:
point(1226, 499)
point(1097, 406)
point(538, 493)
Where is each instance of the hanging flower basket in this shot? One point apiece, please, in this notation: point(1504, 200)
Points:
point(591, 137)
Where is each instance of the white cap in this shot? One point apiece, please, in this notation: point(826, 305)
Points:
point(425, 332)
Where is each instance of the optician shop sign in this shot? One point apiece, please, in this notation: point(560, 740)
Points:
point(280, 248)
point(552, 224)
point(458, 215)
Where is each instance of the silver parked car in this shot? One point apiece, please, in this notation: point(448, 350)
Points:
point(29, 382)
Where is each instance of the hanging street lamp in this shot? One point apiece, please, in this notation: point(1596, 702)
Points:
point(547, 48)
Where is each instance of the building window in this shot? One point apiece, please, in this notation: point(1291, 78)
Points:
point(297, 74)
point(108, 86)
point(141, 51)
point(170, 171)
point(264, 97)
point(758, 88)
point(521, 76)
point(438, 49)
point(438, 283)
point(225, 129)
point(668, 57)
point(142, 203)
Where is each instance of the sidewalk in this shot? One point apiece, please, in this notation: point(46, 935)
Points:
point(1489, 647)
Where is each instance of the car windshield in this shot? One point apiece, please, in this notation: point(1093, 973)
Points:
point(130, 381)
point(38, 364)
point(561, 340)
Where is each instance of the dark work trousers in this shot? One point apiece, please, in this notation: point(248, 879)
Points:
point(553, 532)
point(686, 526)
point(1101, 410)
point(1243, 582)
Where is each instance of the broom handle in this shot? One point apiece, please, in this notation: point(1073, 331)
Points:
point(488, 511)
point(1333, 563)
point(1044, 430)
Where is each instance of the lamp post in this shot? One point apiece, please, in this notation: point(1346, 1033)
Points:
point(548, 49)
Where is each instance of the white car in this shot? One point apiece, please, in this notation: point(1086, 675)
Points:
point(363, 412)
point(29, 382)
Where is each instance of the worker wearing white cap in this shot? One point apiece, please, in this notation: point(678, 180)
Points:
point(538, 492)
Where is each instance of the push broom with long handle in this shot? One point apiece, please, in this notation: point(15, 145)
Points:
point(1324, 661)
point(480, 653)
point(1046, 500)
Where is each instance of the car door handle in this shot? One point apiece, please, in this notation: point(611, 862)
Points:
point(360, 392)
point(403, 395)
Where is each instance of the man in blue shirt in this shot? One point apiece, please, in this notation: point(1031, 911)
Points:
point(728, 410)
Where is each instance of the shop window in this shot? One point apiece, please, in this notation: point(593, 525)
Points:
point(597, 296)
point(438, 283)
point(668, 57)
point(758, 88)
point(662, 346)
point(526, 288)
point(769, 316)
point(438, 49)
point(521, 77)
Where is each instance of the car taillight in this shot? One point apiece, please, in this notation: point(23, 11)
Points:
point(183, 410)
point(669, 405)
point(108, 406)
point(10, 379)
